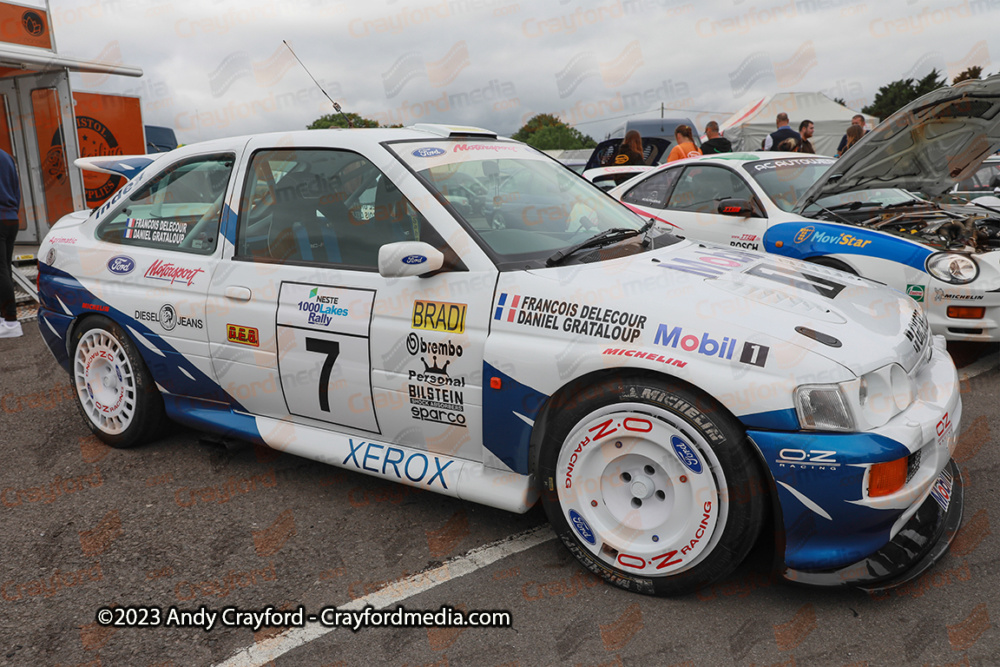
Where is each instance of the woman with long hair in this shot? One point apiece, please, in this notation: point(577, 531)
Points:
point(685, 144)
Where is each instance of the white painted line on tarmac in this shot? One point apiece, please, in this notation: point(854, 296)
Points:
point(979, 366)
point(394, 593)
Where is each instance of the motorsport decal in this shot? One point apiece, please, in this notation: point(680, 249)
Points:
point(172, 273)
point(748, 241)
point(236, 333)
point(940, 295)
point(324, 308)
point(917, 330)
point(121, 265)
point(406, 465)
point(168, 319)
point(774, 164)
point(802, 459)
point(439, 316)
point(569, 317)
point(752, 354)
point(324, 357)
point(582, 527)
point(434, 395)
point(155, 230)
point(916, 292)
point(843, 238)
point(429, 152)
point(649, 356)
point(710, 262)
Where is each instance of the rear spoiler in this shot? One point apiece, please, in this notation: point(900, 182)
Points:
point(117, 165)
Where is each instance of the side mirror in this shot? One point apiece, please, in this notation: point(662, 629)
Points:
point(740, 208)
point(408, 258)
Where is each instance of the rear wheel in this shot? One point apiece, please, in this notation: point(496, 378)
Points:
point(115, 392)
point(652, 486)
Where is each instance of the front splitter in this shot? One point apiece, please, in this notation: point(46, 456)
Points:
point(916, 547)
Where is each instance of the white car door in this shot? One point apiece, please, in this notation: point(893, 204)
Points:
point(307, 329)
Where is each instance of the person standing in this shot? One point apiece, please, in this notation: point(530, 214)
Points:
point(854, 134)
point(806, 130)
point(630, 150)
point(856, 121)
point(685, 144)
point(716, 143)
point(783, 132)
point(10, 203)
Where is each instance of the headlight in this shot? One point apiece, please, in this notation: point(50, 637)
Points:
point(856, 405)
point(952, 267)
point(823, 408)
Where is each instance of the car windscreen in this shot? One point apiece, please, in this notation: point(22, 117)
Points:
point(522, 205)
point(786, 180)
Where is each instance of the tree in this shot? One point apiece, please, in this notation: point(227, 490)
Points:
point(338, 120)
point(545, 131)
point(895, 95)
point(974, 72)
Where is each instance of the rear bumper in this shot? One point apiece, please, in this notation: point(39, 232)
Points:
point(921, 542)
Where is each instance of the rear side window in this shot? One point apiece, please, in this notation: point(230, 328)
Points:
point(179, 210)
point(653, 191)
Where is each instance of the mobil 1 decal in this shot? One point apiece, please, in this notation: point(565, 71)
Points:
point(711, 344)
point(323, 353)
point(435, 386)
point(575, 318)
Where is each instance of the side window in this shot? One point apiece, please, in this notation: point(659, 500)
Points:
point(322, 206)
point(653, 191)
point(179, 210)
point(702, 187)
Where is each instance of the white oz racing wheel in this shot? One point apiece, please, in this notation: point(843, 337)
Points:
point(640, 483)
point(114, 390)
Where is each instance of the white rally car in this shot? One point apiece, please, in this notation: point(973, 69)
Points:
point(338, 295)
point(859, 213)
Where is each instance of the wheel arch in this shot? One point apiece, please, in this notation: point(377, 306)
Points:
point(575, 390)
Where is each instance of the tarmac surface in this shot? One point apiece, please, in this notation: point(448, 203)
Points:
point(188, 523)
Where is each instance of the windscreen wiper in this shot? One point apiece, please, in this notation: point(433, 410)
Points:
point(604, 238)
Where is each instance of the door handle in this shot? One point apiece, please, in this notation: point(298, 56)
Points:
point(238, 293)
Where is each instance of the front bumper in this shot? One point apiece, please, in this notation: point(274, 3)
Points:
point(921, 542)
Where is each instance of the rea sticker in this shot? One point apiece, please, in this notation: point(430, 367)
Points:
point(439, 316)
point(236, 333)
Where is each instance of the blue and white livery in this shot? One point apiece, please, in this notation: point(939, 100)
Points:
point(455, 311)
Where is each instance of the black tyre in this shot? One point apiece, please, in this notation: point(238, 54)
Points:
point(652, 486)
point(114, 390)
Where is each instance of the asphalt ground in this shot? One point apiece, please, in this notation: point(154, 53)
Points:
point(189, 523)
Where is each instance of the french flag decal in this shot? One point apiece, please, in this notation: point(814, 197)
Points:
point(511, 310)
point(129, 228)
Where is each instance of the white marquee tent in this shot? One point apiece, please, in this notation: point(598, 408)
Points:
point(747, 127)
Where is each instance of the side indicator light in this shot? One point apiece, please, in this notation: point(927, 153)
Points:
point(966, 312)
point(885, 479)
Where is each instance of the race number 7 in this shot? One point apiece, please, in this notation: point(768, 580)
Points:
point(331, 349)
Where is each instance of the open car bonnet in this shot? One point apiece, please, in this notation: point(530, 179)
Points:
point(927, 146)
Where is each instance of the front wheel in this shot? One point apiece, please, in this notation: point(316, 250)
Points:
point(115, 392)
point(652, 486)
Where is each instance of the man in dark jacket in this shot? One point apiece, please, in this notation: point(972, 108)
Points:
point(10, 203)
point(783, 132)
point(716, 143)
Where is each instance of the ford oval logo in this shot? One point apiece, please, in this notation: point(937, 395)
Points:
point(685, 453)
point(582, 527)
point(414, 259)
point(429, 152)
point(121, 265)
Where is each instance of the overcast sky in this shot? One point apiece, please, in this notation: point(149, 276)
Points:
point(216, 68)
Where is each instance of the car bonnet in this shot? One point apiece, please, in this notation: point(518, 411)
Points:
point(769, 298)
point(927, 146)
